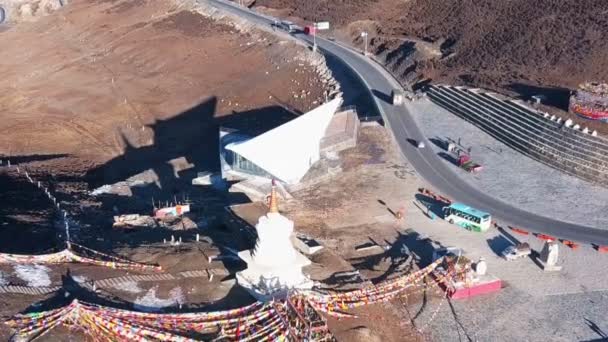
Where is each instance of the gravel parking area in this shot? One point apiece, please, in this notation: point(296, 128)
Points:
point(534, 305)
point(512, 177)
point(515, 317)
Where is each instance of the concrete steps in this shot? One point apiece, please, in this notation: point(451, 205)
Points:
point(34, 291)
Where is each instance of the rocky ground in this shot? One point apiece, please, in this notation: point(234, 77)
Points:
point(354, 208)
point(114, 85)
point(108, 91)
point(89, 104)
point(515, 47)
point(16, 11)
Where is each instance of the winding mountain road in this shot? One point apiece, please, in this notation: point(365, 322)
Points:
point(426, 163)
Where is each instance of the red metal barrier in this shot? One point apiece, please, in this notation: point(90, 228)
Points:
point(601, 249)
point(434, 196)
point(570, 244)
point(519, 231)
point(546, 237)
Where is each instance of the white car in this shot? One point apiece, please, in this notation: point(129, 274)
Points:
point(516, 252)
point(289, 26)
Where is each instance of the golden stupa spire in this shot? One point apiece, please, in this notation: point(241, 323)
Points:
point(274, 200)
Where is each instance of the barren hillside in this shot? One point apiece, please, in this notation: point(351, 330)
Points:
point(98, 91)
point(97, 76)
point(508, 45)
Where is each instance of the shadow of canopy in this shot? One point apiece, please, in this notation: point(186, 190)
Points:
point(193, 135)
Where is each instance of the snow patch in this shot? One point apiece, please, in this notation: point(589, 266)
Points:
point(104, 189)
point(34, 275)
point(150, 303)
point(129, 286)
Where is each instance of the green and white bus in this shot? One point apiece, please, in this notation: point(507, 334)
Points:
point(467, 217)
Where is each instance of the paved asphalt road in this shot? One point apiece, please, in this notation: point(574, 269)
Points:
point(427, 164)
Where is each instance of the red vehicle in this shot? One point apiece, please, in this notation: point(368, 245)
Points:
point(310, 30)
point(465, 162)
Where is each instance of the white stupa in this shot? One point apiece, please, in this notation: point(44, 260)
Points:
point(274, 266)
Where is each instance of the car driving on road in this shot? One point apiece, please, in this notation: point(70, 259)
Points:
point(289, 26)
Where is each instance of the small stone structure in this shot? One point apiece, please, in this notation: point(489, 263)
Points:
point(133, 220)
point(549, 257)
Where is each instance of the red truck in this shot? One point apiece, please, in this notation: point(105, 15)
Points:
point(310, 30)
point(466, 163)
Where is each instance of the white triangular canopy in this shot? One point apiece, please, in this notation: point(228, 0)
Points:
point(288, 151)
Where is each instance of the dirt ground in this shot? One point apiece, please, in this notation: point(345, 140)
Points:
point(145, 95)
point(348, 210)
point(26, 214)
point(515, 47)
point(107, 90)
point(89, 103)
point(112, 83)
point(354, 209)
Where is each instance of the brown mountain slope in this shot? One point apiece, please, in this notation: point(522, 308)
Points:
point(509, 45)
point(89, 77)
point(551, 42)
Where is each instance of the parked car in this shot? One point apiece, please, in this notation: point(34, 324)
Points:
point(518, 251)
